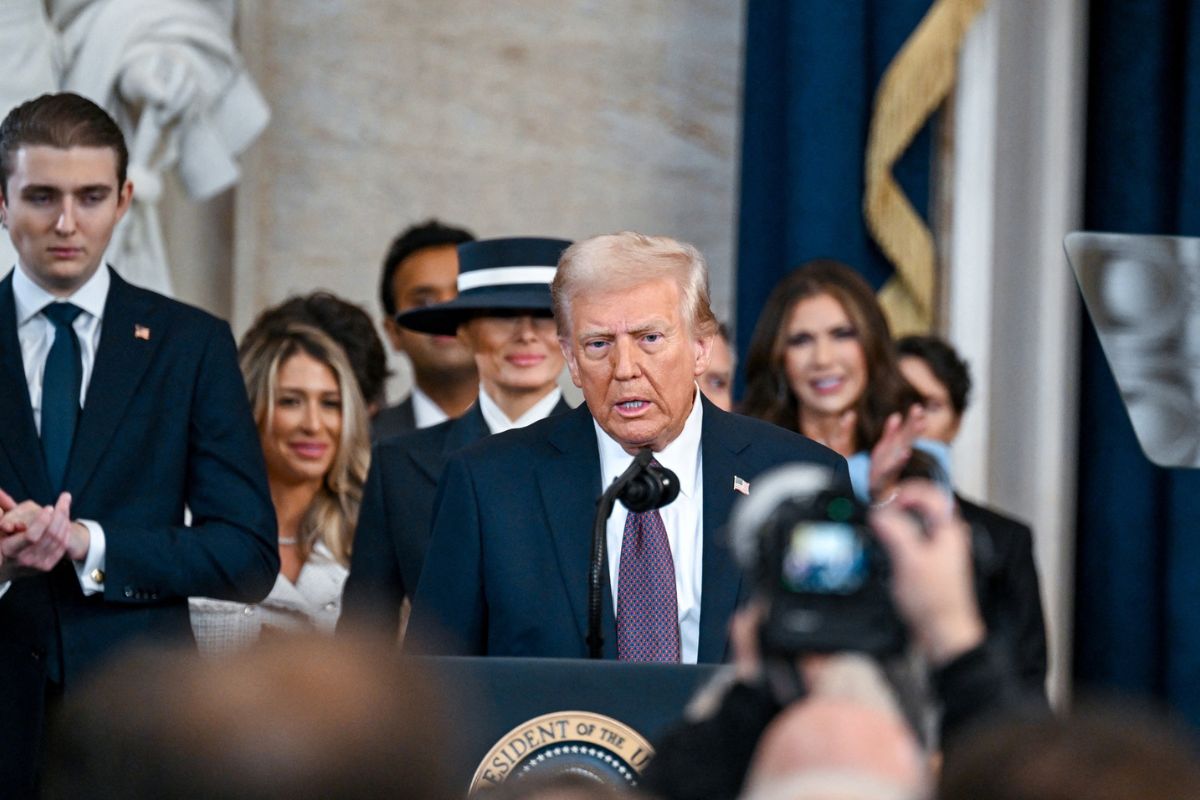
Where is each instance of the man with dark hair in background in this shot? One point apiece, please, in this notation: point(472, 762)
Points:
point(421, 269)
point(942, 379)
point(120, 408)
point(1008, 593)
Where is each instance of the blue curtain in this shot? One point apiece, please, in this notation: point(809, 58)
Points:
point(811, 71)
point(1137, 621)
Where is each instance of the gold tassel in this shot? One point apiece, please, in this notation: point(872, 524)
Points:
point(914, 85)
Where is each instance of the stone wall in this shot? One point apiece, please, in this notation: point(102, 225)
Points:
point(553, 117)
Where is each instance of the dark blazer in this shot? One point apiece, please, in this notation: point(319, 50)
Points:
point(1008, 592)
point(393, 421)
point(506, 571)
point(165, 424)
point(394, 521)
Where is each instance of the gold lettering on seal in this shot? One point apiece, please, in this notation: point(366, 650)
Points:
point(566, 728)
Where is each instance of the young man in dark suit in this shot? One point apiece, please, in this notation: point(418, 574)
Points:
point(507, 567)
point(120, 408)
point(1008, 594)
point(502, 315)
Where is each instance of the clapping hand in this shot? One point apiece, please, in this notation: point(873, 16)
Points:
point(893, 449)
point(35, 538)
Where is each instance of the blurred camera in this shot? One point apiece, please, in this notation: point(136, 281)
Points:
point(813, 560)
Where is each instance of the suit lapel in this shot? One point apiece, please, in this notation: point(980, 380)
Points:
point(561, 407)
point(466, 430)
point(722, 449)
point(457, 434)
point(569, 485)
point(461, 432)
point(406, 415)
point(121, 361)
point(19, 441)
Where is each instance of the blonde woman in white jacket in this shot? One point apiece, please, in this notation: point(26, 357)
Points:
point(313, 428)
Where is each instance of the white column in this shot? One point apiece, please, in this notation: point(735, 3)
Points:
point(1013, 303)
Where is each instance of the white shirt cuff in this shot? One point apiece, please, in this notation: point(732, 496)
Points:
point(4, 587)
point(91, 569)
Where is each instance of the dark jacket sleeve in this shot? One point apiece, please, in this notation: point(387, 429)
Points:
point(1018, 584)
point(375, 587)
point(230, 550)
point(1008, 591)
point(978, 686)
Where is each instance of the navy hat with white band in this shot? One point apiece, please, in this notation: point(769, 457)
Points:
point(496, 278)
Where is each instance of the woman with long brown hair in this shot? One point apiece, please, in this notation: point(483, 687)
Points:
point(822, 362)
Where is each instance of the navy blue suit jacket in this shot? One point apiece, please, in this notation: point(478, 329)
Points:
point(394, 421)
point(507, 568)
point(394, 521)
point(165, 424)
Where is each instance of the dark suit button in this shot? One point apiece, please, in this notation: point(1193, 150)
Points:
point(129, 591)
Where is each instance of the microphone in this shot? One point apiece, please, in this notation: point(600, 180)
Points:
point(643, 486)
point(647, 485)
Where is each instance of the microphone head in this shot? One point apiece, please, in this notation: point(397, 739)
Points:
point(654, 486)
point(776, 486)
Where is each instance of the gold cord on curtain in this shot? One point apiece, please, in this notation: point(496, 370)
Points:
point(912, 88)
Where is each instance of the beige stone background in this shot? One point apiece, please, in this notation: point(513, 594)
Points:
point(545, 117)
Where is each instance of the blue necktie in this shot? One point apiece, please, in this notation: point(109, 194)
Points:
point(61, 381)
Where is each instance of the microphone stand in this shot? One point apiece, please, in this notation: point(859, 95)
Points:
point(640, 488)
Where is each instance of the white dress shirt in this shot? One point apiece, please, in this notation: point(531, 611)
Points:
point(683, 519)
point(426, 413)
point(498, 422)
point(36, 335)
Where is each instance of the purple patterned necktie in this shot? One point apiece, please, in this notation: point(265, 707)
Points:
point(647, 608)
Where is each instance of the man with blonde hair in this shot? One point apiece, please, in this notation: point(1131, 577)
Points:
point(507, 569)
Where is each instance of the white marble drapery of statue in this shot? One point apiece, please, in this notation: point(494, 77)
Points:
point(30, 65)
point(170, 74)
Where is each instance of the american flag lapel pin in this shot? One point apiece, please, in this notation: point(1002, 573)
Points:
point(141, 332)
point(741, 485)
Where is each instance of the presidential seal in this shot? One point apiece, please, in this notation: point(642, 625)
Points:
point(579, 742)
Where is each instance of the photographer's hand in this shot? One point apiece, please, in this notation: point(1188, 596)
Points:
point(931, 570)
point(744, 632)
point(743, 640)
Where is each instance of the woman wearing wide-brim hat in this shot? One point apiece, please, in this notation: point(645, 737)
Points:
point(503, 313)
